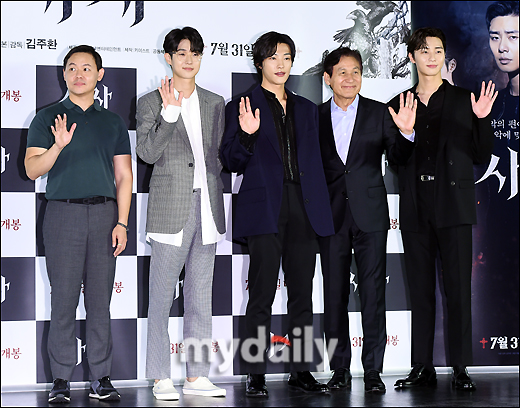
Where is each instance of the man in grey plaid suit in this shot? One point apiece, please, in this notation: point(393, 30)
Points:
point(179, 129)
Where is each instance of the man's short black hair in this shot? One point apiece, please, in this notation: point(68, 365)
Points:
point(265, 46)
point(501, 9)
point(335, 56)
point(418, 39)
point(175, 36)
point(86, 49)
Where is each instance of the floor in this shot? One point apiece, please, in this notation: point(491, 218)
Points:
point(493, 390)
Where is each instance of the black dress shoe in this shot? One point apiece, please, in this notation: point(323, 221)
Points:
point(341, 379)
point(373, 382)
point(304, 381)
point(419, 376)
point(255, 386)
point(460, 379)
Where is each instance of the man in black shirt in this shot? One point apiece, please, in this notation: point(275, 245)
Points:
point(282, 204)
point(437, 206)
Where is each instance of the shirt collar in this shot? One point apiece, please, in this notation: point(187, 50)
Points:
point(353, 105)
point(441, 88)
point(70, 105)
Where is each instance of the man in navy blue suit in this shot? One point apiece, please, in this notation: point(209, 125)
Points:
point(283, 202)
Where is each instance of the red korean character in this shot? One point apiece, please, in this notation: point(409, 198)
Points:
point(16, 96)
point(16, 353)
point(16, 224)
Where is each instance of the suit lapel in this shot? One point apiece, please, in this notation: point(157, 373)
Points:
point(267, 127)
point(359, 124)
point(326, 130)
point(204, 120)
point(182, 130)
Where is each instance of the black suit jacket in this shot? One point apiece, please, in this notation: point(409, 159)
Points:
point(361, 179)
point(464, 140)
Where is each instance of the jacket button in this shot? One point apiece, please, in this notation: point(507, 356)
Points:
point(302, 173)
point(347, 171)
point(452, 183)
point(306, 201)
point(451, 162)
point(190, 164)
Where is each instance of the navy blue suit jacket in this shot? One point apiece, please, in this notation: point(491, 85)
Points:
point(257, 207)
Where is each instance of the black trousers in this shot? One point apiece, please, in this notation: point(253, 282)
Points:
point(420, 252)
point(336, 259)
point(296, 245)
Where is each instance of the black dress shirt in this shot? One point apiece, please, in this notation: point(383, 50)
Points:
point(284, 124)
point(427, 131)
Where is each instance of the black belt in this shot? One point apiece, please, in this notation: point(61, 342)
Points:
point(89, 200)
point(426, 178)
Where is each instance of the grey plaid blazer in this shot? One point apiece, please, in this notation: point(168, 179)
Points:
point(167, 147)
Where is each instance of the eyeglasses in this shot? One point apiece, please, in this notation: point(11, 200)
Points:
point(182, 55)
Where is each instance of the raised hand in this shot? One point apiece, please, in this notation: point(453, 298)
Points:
point(405, 119)
point(62, 136)
point(483, 106)
point(168, 94)
point(248, 122)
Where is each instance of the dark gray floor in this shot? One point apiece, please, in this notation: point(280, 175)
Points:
point(493, 390)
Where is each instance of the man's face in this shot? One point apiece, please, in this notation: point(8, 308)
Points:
point(277, 67)
point(185, 64)
point(503, 41)
point(345, 80)
point(81, 74)
point(430, 59)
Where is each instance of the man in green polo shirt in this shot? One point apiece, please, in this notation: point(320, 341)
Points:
point(85, 149)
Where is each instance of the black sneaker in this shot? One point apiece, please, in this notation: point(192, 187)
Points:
point(102, 389)
point(60, 391)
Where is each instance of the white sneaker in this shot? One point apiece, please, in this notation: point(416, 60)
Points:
point(204, 387)
point(164, 390)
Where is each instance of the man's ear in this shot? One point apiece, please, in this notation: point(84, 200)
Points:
point(452, 65)
point(326, 78)
point(101, 73)
point(410, 55)
point(168, 58)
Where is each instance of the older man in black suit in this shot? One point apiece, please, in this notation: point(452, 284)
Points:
point(354, 133)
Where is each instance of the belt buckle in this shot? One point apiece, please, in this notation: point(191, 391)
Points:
point(427, 178)
point(90, 200)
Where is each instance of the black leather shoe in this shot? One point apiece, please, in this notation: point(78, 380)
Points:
point(419, 376)
point(460, 379)
point(60, 392)
point(304, 381)
point(373, 382)
point(341, 379)
point(255, 386)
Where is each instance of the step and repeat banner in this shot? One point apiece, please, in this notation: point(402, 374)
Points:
point(35, 37)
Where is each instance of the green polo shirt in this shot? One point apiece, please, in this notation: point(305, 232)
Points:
point(84, 167)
